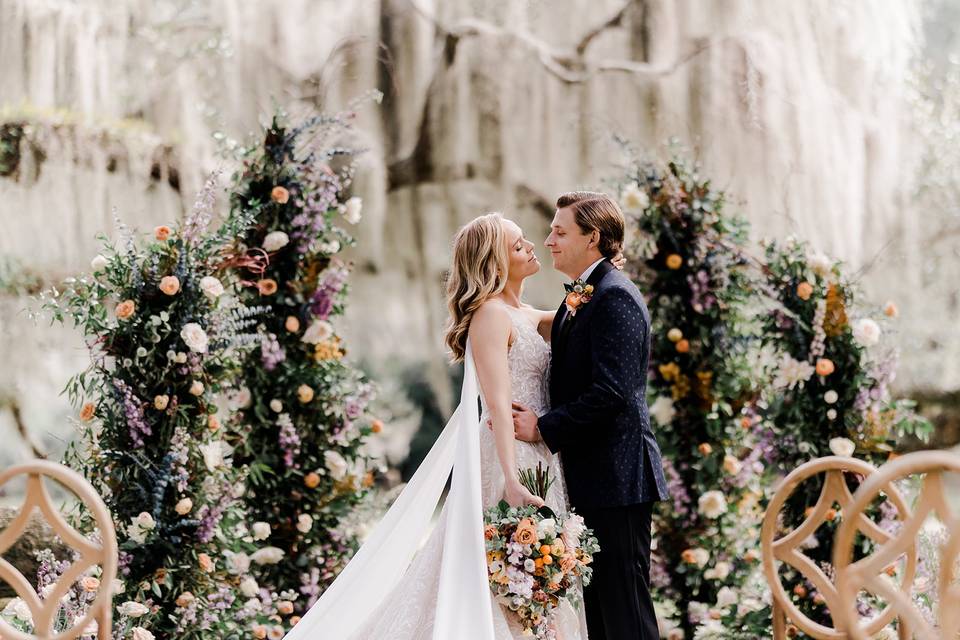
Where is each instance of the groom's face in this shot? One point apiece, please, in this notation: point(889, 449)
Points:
point(567, 243)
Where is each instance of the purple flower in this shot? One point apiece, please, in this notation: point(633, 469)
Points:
point(137, 424)
point(289, 441)
point(271, 353)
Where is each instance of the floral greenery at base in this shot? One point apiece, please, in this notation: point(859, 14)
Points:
point(689, 263)
point(163, 338)
point(303, 411)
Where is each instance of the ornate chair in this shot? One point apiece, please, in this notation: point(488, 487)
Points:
point(786, 549)
point(868, 573)
point(104, 553)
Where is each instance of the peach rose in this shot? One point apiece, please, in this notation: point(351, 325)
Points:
point(267, 286)
point(526, 532)
point(567, 563)
point(489, 532)
point(824, 367)
point(90, 584)
point(162, 233)
point(185, 599)
point(674, 335)
point(674, 261)
point(170, 285)
point(125, 309)
point(705, 448)
point(259, 631)
point(311, 480)
point(292, 324)
point(205, 563)
point(804, 290)
point(86, 413)
point(890, 310)
point(376, 426)
point(574, 299)
point(285, 607)
point(305, 393)
point(161, 402)
point(213, 423)
point(280, 195)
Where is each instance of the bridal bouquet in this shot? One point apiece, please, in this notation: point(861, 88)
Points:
point(534, 558)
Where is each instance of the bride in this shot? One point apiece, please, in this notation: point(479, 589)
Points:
point(392, 590)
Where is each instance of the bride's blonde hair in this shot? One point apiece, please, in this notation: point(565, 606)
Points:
point(480, 267)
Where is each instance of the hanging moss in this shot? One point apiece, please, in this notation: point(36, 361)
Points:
point(11, 134)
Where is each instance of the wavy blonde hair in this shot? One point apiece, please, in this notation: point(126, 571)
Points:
point(479, 271)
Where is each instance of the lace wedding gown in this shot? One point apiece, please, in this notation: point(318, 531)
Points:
point(408, 612)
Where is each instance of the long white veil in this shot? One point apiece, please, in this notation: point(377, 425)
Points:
point(463, 608)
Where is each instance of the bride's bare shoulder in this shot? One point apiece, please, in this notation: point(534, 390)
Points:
point(491, 317)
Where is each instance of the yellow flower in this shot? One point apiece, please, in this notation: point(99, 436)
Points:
point(669, 371)
point(328, 350)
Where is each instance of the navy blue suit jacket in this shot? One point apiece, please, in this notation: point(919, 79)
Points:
point(599, 423)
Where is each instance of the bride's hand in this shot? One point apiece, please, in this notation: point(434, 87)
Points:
point(619, 261)
point(518, 495)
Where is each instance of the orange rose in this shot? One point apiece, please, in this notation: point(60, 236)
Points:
point(376, 426)
point(890, 310)
point(280, 195)
point(489, 532)
point(267, 286)
point(292, 324)
point(705, 448)
point(305, 393)
point(86, 413)
point(804, 290)
point(689, 556)
point(824, 367)
point(683, 346)
point(162, 232)
point(285, 607)
point(311, 480)
point(526, 532)
point(674, 261)
point(368, 479)
point(205, 563)
point(745, 422)
point(170, 285)
point(125, 309)
point(574, 299)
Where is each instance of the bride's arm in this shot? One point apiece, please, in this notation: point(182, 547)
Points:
point(545, 325)
point(490, 338)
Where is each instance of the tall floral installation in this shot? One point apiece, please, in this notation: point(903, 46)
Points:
point(303, 411)
point(689, 260)
point(163, 340)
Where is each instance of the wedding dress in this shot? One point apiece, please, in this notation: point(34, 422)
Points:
point(390, 590)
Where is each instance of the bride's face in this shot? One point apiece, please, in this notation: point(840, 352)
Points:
point(523, 261)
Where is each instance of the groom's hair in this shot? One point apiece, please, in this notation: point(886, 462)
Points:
point(597, 211)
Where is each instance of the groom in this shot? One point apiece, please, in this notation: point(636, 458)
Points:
point(599, 422)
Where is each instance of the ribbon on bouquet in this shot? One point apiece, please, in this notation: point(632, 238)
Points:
point(463, 604)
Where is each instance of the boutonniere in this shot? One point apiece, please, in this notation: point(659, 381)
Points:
point(578, 294)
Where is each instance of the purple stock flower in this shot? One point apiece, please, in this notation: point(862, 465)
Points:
point(133, 411)
point(271, 353)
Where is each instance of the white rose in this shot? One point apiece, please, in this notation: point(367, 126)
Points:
point(317, 331)
point(662, 410)
point(866, 332)
point(139, 633)
point(249, 587)
point(304, 523)
point(267, 555)
point(731, 464)
point(275, 241)
point(842, 446)
point(831, 414)
point(276, 405)
point(239, 399)
point(98, 263)
point(335, 464)
point(820, 264)
point(19, 609)
point(831, 397)
point(194, 337)
point(721, 570)
point(351, 210)
point(117, 586)
point(133, 609)
point(261, 530)
point(634, 198)
point(547, 527)
point(237, 563)
point(145, 521)
point(211, 287)
point(330, 247)
point(712, 504)
point(215, 454)
point(726, 597)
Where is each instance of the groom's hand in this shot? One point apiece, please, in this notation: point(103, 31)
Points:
point(525, 424)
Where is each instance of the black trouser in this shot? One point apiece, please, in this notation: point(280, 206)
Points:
point(618, 603)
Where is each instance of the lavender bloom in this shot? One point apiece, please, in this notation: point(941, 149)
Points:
point(202, 212)
point(209, 519)
point(321, 303)
point(678, 492)
point(289, 441)
point(271, 353)
point(700, 297)
point(133, 411)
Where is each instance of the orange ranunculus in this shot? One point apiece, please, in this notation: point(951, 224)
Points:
point(824, 367)
point(804, 290)
point(267, 286)
point(170, 285)
point(683, 346)
point(162, 232)
point(526, 532)
point(86, 413)
point(674, 261)
point(705, 448)
point(311, 480)
point(800, 591)
point(376, 426)
point(292, 324)
point(280, 195)
point(125, 309)
point(830, 515)
point(489, 532)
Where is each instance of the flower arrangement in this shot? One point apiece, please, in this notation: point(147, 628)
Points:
point(302, 409)
point(163, 339)
point(535, 557)
point(687, 256)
